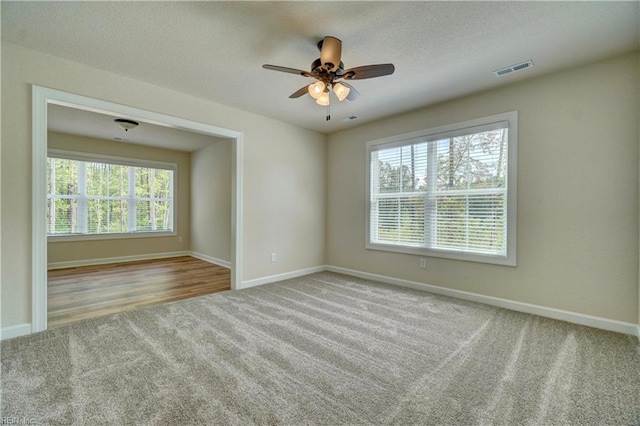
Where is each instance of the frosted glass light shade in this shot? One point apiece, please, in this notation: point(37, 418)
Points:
point(323, 99)
point(316, 89)
point(341, 91)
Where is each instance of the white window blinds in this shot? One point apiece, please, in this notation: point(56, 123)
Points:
point(444, 192)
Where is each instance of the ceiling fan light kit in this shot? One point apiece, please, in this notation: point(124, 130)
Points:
point(341, 91)
point(329, 70)
point(323, 100)
point(316, 89)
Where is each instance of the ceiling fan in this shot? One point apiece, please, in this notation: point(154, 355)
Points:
point(329, 70)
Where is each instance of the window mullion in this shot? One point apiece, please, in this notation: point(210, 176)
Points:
point(467, 178)
point(171, 200)
point(430, 214)
point(108, 193)
point(152, 201)
point(399, 203)
point(374, 198)
point(131, 201)
point(52, 200)
point(83, 213)
point(466, 221)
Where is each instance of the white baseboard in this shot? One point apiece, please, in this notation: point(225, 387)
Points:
point(211, 259)
point(280, 277)
point(572, 317)
point(118, 259)
point(15, 331)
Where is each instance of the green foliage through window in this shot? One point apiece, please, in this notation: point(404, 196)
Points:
point(91, 198)
point(448, 193)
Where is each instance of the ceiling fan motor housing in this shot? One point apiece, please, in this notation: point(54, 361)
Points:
point(330, 52)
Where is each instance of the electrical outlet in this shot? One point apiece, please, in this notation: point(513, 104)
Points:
point(423, 263)
point(274, 257)
point(180, 239)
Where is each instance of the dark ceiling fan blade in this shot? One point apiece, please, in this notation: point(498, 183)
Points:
point(300, 92)
point(287, 70)
point(353, 93)
point(368, 71)
point(330, 52)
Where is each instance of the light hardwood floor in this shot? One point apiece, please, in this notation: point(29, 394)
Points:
point(92, 291)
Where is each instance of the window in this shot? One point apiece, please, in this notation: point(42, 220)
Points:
point(446, 192)
point(90, 195)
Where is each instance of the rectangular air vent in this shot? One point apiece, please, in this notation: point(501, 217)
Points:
point(513, 68)
point(350, 118)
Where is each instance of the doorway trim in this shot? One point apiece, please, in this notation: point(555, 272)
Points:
point(41, 98)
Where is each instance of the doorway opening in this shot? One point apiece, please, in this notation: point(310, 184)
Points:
point(42, 99)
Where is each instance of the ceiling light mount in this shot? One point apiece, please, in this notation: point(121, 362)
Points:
point(126, 124)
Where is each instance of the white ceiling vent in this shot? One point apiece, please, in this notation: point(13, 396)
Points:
point(513, 68)
point(350, 118)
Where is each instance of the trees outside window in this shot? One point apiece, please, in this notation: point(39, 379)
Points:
point(445, 193)
point(96, 197)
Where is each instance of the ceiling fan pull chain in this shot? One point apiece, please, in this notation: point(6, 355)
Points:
point(328, 112)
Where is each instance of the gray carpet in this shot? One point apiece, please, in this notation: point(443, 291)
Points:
point(323, 349)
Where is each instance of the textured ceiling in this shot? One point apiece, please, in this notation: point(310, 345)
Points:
point(215, 50)
point(86, 123)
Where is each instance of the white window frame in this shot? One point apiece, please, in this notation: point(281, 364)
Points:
point(123, 161)
point(442, 132)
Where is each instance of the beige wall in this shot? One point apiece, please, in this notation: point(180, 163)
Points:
point(578, 189)
point(286, 209)
point(283, 170)
point(577, 193)
point(98, 249)
point(211, 200)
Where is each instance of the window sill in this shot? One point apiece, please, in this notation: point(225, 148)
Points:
point(445, 254)
point(70, 238)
